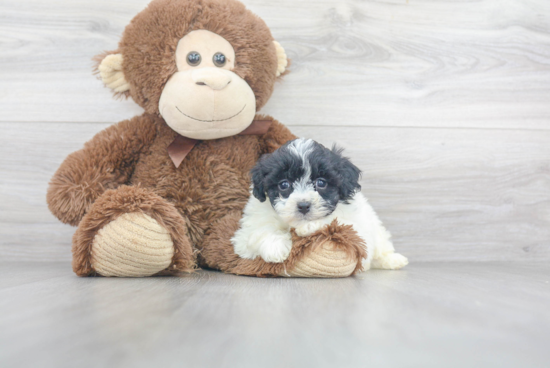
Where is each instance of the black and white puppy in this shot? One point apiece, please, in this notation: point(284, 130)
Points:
point(308, 186)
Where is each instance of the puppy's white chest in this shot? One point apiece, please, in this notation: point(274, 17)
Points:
point(311, 227)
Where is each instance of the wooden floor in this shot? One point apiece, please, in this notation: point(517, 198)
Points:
point(427, 315)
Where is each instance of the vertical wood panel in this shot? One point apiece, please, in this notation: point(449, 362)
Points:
point(444, 104)
point(362, 63)
point(445, 194)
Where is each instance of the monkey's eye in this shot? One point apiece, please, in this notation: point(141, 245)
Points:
point(284, 185)
point(219, 59)
point(193, 58)
point(321, 183)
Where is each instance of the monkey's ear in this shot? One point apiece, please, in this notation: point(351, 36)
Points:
point(110, 71)
point(282, 60)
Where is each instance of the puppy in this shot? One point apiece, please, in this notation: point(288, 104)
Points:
point(308, 186)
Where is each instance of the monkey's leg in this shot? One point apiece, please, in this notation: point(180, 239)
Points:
point(131, 232)
point(335, 251)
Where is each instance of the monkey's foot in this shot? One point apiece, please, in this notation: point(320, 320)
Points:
point(133, 245)
point(334, 251)
point(131, 232)
point(324, 261)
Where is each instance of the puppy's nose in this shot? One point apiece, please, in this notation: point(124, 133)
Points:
point(214, 78)
point(303, 207)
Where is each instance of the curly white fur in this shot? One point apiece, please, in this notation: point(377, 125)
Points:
point(264, 233)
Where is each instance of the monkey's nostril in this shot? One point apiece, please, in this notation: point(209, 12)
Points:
point(304, 207)
point(201, 83)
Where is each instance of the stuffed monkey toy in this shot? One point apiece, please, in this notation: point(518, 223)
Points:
point(162, 193)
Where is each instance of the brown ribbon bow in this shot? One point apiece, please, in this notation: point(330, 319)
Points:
point(181, 146)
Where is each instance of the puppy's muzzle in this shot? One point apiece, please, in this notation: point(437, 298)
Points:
point(303, 207)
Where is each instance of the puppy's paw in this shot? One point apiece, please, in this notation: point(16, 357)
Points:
point(366, 265)
point(390, 261)
point(276, 249)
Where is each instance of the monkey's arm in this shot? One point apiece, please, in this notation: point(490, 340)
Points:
point(277, 135)
point(106, 162)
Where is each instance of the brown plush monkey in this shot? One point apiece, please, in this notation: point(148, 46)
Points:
point(163, 192)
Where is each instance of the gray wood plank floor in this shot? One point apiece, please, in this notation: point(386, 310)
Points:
point(426, 315)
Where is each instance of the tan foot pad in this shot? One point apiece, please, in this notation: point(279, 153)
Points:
point(325, 261)
point(133, 245)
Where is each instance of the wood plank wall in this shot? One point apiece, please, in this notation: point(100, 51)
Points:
point(445, 105)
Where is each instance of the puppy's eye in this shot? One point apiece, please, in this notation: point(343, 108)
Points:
point(284, 185)
point(193, 58)
point(321, 183)
point(219, 59)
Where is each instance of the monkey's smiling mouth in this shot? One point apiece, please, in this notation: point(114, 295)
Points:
point(210, 121)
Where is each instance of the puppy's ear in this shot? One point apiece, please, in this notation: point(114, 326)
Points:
point(349, 175)
point(258, 174)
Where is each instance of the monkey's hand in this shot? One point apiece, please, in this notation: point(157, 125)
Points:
point(105, 162)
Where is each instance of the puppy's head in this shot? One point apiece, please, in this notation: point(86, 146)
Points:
point(304, 180)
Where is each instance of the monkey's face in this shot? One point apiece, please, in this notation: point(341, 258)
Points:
point(204, 99)
point(206, 66)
